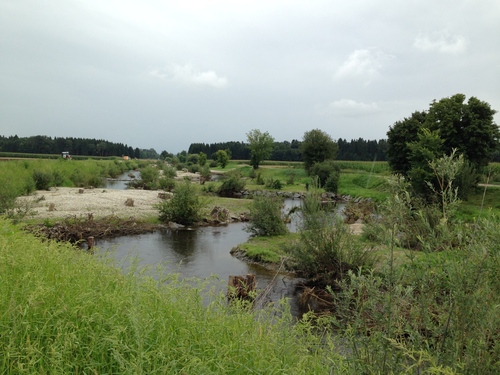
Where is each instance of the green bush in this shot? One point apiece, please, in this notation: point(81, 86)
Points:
point(232, 184)
point(184, 207)
point(43, 180)
point(166, 183)
point(325, 171)
point(265, 217)
point(149, 177)
point(327, 250)
point(169, 171)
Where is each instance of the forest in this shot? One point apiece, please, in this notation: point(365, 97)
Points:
point(356, 149)
point(41, 144)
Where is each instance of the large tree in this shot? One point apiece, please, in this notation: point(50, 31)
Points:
point(449, 124)
point(316, 147)
point(261, 146)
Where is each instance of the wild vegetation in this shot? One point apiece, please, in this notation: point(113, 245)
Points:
point(23, 177)
point(417, 292)
point(66, 312)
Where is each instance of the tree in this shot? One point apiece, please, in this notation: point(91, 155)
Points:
point(221, 158)
point(399, 135)
point(468, 127)
point(261, 146)
point(316, 147)
point(202, 159)
point(449, 124)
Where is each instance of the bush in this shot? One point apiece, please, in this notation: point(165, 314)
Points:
point(43, 180)
point(166, 183)
point(325, 171)
point(184, 207)
point(231, 184)
point(327, 250)
point(169, 171)
point(274, 184)
point(149, 177)
point(265, 217)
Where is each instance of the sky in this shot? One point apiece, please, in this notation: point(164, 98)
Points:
point(164, 74)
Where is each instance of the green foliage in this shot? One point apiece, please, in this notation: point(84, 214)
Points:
point(418, 224)
point(82, 314)
point(261, 146)
point(202, 159)
point(169, 171)
point(184, 207)
point(271, 183)
point(43, 180)
point(166, 183)
point(266, 218)
point(326, 171)
point(438, 310)
point(398, 137)
point(232, 184)
point(327, 250)
point(316, 147)
point(450, 124)
point(149, 177)
point(205, 173)
point(222, 158)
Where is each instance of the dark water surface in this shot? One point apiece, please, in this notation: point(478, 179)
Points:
point(201, 253)
point(120, 183)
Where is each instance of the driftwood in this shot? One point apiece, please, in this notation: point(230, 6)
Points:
point(79, 229)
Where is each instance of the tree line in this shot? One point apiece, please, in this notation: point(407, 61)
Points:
point(356, 149)
point(41, 144)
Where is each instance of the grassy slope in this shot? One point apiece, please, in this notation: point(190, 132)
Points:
point(64, 311)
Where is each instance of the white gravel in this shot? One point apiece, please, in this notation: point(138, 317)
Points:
point(65, 202)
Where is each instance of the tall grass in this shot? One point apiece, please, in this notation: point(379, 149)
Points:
point(64, 311)
point(21, 177)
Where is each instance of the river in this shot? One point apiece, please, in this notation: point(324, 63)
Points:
point(202, 253)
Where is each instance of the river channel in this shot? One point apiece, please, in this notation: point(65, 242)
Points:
point(202, 253)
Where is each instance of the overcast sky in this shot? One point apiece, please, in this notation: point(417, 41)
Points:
point(164, 74)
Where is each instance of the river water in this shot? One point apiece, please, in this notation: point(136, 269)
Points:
point(204, 253)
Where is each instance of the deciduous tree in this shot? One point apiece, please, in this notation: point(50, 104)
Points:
point(316, 147)
point(261, 146)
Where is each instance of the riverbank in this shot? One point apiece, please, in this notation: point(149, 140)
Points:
point(62, 202)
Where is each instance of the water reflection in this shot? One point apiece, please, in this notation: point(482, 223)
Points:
point(201, 253)
point(120, 183)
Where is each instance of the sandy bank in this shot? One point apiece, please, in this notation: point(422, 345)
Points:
point(64, 202)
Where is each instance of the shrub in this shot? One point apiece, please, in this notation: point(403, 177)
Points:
point(231, 184)
point(324, 171)
point(166, 183)
point(184, 207)
point(274, 184)
point(149, 177)
point(169, 171)
point(193, 168)
point(43, 180)
point(327, 250)
point(265, 217)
